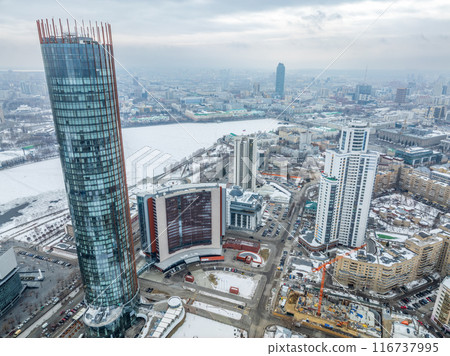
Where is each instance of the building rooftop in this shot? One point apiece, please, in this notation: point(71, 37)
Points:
point(101, 316)
point(376, 253)
point(188, 257)
point(8, 262)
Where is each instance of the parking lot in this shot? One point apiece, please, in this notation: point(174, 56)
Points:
point(422, 301)
point(421, 304)
point(58, 275)
point(274, 220)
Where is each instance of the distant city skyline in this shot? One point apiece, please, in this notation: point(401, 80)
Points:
point(253, 34)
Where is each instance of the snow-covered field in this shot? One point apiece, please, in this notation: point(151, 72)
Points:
point(197, 326)
point(216, 310)
point(225, 280)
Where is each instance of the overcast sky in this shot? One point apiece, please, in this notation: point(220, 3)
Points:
point(245, 34)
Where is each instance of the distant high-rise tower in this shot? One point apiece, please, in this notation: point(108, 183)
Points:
point(400, 96)
point(279, 83)
point(346, 189)
point(245, 162)
point(81, 80)
point(363, 93)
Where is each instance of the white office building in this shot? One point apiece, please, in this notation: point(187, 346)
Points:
point(346, 189)
point(243, 209)
point(245, 162)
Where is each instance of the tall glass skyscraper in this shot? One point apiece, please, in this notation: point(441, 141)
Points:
point(79, 68)
point(279, 83)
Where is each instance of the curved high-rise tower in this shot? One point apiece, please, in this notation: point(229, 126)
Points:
point(79, 68)
point(279, 83)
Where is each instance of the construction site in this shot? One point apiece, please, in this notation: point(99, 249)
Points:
point(339, 317)
point(331, 312)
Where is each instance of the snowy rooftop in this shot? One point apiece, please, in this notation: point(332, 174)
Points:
point(424, 239)
point(376, 253)
point(100, 316)
point(188, 256)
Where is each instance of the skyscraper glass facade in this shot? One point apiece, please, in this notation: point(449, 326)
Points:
point(79, 68)
point(279, 84)
point(189, 220)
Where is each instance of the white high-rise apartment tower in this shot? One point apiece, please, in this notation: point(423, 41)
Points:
point(245, 162)
point(346, 189)
point(441, 310)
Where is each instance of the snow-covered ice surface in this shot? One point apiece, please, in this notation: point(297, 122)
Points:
point(7, 155)
point(39, 205)
point(189, 137)
point(225, 280)
point(36, 178)
point(216, 310)
point(196, 326)
point(30, 179)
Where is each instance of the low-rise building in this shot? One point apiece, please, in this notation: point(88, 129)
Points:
point(443, 264)
point(387, 174)
point(417, 156)
point(11, 286)
point(428, 249)
point(243, 209)
point(429, 189)
point(412, 137)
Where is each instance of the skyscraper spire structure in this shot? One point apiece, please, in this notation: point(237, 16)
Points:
point(81, 80)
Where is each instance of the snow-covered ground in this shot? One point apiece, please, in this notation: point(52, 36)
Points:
point(38, 206)
point(413, 330)
point(229, 300)
point(7, 155)
point(196, 326)
point(304, 269)
point(415, 284)
point(396, 237)
point(225, 280)
point(216, 310)
point(404, 207)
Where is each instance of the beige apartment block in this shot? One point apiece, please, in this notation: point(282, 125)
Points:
point(441, 311)
point(429, 189)
point(377, 267)
point(443, 265)
point(428, 249)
